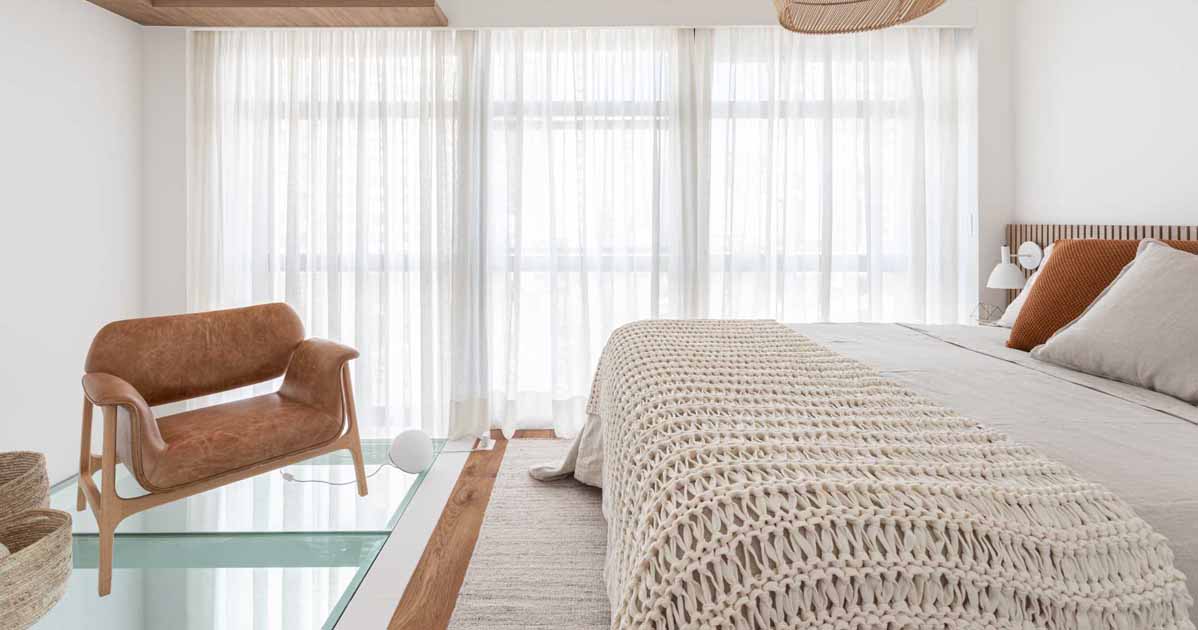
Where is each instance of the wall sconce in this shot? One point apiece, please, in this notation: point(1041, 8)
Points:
point(1008, 275)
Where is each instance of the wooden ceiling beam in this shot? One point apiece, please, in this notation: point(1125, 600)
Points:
point(293, 4)
point(279, 13)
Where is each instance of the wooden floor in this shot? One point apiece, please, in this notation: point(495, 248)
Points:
point(432, 592)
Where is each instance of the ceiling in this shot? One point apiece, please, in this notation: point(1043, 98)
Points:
point(279, 13)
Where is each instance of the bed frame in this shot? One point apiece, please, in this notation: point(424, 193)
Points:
point(1044, 234)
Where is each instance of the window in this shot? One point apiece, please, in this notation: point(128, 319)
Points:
point(476, 211)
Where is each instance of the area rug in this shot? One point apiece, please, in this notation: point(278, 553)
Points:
point(539, 558)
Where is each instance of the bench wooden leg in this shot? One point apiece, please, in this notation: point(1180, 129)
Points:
point(85, 455)
point(352, 435)
point(109, 515)
point(355, 451)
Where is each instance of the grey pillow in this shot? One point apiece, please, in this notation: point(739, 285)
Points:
point(1142, 330)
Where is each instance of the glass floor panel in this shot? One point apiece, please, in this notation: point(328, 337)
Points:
point(269, 503)
point(261, 554)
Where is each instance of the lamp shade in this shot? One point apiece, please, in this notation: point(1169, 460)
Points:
point(1007, 274)
point(849, 16)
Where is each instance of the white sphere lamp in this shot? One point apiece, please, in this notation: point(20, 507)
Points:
point(412, 451)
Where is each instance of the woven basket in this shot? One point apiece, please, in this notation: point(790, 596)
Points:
point(24, 484)
point(34, 577)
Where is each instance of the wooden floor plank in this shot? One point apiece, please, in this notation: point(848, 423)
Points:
point(432, 592)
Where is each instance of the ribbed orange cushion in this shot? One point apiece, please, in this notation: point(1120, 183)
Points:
point(1075, 274)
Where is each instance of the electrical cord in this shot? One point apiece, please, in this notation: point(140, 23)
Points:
point(290, 477)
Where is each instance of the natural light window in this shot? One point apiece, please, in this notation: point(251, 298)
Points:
point(477, 211)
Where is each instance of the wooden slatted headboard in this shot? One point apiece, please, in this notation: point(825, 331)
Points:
point(1044, 234)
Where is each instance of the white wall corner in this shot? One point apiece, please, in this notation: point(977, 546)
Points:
point(71, 242)
point(165, 107)
point(996, 136)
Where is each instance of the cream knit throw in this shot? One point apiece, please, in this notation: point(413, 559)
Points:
point(754, 479)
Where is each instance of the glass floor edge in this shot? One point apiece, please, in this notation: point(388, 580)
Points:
point(262, 553)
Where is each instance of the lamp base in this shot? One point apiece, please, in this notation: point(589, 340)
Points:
point(988, 314)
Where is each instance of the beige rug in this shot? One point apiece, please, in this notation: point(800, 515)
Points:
point(539, 558)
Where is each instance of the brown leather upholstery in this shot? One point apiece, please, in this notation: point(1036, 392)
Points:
point(136, 364)
point(209, 441)
point(314, 374)
point(168, 359)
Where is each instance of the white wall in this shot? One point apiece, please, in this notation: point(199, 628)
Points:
point(164, 169)
point(70, 237)
point(1106, 101)
point(996, 128)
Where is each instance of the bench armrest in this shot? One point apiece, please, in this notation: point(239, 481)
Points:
point(107, 390)
point(314, 374)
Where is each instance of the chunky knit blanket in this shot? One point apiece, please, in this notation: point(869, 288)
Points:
point(754, 479)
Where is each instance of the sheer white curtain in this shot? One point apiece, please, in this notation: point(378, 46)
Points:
point(476, 211)
point(842, 177)
point(326, 175)
point(582, 207)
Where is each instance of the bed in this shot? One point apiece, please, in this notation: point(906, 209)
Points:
point(1138, 444)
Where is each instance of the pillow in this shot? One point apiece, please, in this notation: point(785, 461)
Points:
point(1008, 317)
point(1142, 330)
point(1075, 275)
point(3, 551)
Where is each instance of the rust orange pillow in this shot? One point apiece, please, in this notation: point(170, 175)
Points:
point(1074, 276)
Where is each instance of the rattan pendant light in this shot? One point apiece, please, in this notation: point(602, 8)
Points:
point(849, 16)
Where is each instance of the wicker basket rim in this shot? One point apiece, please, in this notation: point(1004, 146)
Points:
point(33, 578)
point(58, 520)
point(34, 516)
point(9, 459)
